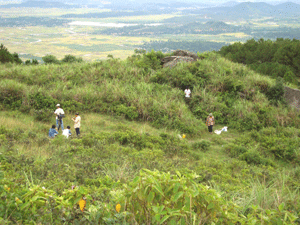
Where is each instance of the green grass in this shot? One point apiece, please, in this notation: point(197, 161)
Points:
point(132, 113)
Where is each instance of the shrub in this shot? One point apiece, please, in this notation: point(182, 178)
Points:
point(50, 59)
point(40, 101)
point(148, 61)
point(275, 94)
point(252, 157)
point(130, 112)
point(161, 198)
point(202, 145)
point(44, 115)
point(6, 56)
point(71, 59)
point(11, 94)
point(235, 150)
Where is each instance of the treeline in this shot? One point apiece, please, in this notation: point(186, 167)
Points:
point(193, 46)
point(280, 58)
point(51, 59)
point(31, 21)
point(7, 57)
point(289, 33)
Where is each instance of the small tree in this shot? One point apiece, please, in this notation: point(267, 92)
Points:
point(16, 58)
point(71, 59)
point(275, 94)
point(50, 59)
point(6, 56)
point(35, 62)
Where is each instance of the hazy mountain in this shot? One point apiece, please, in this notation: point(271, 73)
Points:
point(248, 10)
point(40, 4)
point(230, 4)
point(288, 7)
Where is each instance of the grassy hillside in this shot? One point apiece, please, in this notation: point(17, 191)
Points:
point(130, 153)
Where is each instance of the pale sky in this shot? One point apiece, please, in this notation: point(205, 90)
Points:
point(153, 1)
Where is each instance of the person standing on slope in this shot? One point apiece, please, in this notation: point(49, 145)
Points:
point(59, 112)
point(77, 120)
point(210, 121)
point(187, 92)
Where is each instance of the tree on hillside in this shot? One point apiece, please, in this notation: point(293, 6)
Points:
point(275, 94)
point(71, 59)
point(33, 62)
point(6, 56)
point(50, 59)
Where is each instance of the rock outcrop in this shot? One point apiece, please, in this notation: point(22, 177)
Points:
point(179, 56)
point(292, 97)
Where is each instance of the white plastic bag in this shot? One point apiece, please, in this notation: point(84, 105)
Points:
point(220, 131)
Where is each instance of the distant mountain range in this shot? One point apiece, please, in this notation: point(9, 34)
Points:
point(225, 10)
point(40, 4)
point(250, 10)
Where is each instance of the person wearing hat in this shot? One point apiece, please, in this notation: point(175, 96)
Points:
point(210, 121)
point(59, 112)
point(77, 120)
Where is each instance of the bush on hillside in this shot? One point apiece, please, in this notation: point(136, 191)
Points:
point(40, 101)
point(202, 145)
point(50, 59)
point(71, 59)
point(6, 56)
point(155, 197)
point(270, 143)
point(275, 93)
point(12, 94)
point(31, 62)
point(148, 61)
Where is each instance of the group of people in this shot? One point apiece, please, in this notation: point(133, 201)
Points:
point(59, 115)
point(210, 121)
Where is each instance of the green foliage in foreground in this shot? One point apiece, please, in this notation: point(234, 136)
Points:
point(194, 184)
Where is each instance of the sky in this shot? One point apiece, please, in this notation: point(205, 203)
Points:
point(158, 1)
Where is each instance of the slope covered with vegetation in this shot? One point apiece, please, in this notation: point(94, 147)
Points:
point(130, 152)
point(280, 58)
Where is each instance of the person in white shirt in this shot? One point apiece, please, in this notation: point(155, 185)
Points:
point(187, 92)
point(67, 132)
point(77, 120)
point(59, 112)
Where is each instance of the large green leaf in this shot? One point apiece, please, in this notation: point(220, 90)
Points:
point(177, 196)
